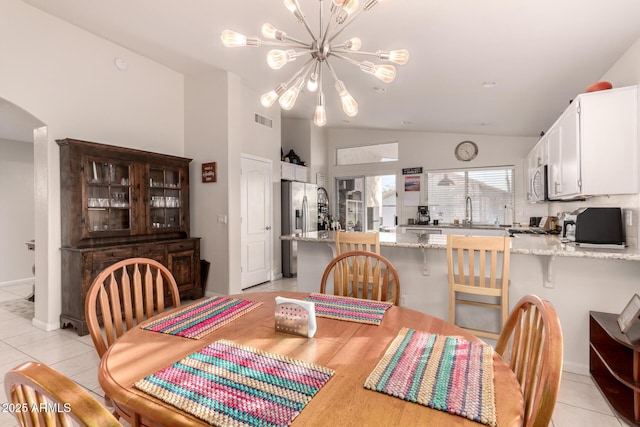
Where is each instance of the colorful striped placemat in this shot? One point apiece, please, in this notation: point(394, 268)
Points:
point(197, 320)
point(347, 308)
point(441, 372)
point(228, 384)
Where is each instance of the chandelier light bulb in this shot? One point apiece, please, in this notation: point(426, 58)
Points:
point(269, 98)
point(386, 73)
point(312, 84)
point(293, 8)
point(232, 39)
point(354, 44)
point(350, 6)
point(349, 104)
point(399, 57)
point(291, 5)
point(277, 58)
point(272, 33)
point(320, 114)
point(288, 99)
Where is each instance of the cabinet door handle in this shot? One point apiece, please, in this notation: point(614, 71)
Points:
point(113, 254)
point(268, 227)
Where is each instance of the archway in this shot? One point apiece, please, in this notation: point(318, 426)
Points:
point(18, 133)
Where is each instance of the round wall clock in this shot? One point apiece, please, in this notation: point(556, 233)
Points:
point(466, 151)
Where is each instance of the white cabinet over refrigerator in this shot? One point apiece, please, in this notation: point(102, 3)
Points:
point(299, 215)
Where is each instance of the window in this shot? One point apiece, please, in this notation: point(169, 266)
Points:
point(376, 153)
point(490, 191)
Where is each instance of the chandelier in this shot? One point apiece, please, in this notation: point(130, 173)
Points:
point(319, 51)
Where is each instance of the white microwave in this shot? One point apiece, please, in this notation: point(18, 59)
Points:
point(538, 185)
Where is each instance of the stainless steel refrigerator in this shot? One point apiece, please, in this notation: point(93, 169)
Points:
point(299, 215)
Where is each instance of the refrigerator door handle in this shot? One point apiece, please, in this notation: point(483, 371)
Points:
point(305, 214)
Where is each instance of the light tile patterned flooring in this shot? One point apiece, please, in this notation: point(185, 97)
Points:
point(579, 403)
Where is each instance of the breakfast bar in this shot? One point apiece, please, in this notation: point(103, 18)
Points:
point(574, 278)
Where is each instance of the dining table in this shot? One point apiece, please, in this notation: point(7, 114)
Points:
point(351, 349)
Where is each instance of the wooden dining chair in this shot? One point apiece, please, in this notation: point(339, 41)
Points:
point(362, 274)
point(347, 241)
point(47, 398)
point(531, 343)
point(125, 294)
point(478, 270)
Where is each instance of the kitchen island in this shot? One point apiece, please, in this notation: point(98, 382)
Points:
point(575, 279)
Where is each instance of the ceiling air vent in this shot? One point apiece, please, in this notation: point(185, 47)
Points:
point(264, 121)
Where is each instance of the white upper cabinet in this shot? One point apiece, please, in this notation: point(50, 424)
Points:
point(293, 172)
point(593, 146)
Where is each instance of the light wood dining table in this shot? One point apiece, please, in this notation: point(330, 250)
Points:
point(351, 349)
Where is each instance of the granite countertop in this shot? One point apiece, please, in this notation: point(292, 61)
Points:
point(525, 244)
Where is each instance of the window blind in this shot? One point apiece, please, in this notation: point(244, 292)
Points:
point(491, 191)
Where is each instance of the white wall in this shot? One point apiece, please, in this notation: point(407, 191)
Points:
point(206, 140)
point(433, 151)
point(65, 77)
point(17, 224)
point(264, 142)
point(220, 127)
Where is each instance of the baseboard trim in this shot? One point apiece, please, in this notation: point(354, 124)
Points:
point(45, 326)
point(27, 281)
point(576, 368)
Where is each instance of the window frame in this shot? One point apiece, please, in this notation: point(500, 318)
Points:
point(501, 213)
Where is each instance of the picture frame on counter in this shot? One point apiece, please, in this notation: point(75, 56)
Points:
point(630, 314)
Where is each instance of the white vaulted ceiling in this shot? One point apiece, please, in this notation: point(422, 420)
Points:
point(540, 53)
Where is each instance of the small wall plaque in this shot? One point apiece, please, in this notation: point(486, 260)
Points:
point(209, 173)
point(411, 171)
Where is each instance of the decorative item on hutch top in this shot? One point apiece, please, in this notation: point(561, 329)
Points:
point(318, 51)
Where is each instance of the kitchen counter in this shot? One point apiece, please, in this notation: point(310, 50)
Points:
point(575, 279)
point(525, 244)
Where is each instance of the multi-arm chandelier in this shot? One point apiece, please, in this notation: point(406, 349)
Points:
point(320, 50)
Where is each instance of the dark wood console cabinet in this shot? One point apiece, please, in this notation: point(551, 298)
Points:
point(119, 203)
point(614, 363)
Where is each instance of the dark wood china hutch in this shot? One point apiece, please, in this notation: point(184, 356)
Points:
point(119, 203)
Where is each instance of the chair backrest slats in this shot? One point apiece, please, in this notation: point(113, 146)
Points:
point(148, 284)
point(31, 385)
point(531, 342)
point(159, 290)
point(362, 274)
point(133, 290)
point(127, 298)
point(348, 241)
point(107, 316)
point(137, 294)
point(116, 308)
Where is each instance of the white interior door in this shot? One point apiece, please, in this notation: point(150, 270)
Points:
point(256, 233)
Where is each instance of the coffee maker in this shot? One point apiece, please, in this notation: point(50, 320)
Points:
point(423, 215)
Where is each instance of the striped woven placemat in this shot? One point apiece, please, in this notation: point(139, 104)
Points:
point(228, 384)
point(441, 372)
point(347, 308)
point(197, 320)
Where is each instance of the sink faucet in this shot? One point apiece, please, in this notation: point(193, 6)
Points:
point(468, 210)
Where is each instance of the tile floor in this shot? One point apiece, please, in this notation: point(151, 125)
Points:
point(579, 402)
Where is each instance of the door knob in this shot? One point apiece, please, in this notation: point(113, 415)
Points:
point(268, 227)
